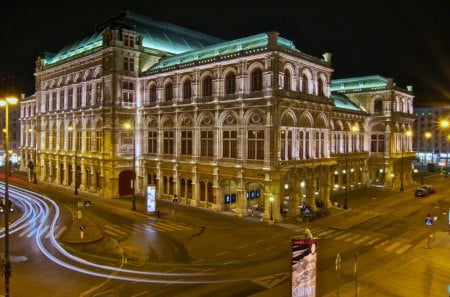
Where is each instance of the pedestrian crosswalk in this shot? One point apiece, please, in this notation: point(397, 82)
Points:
point(385, 244)
point(155, 225)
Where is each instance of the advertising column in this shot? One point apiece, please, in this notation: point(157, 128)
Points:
point(304, 267)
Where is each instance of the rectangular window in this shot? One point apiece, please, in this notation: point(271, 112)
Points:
point(128, 91)
point(186, 143)
point(229, 144)
point(70, 98)
point(377, 143)
point(61, 140)
point(47, 101)
point(69, 140)
point(152, 141)
point(88, 141)
point(206, 143)
point(78, 140)
point(54, 140)
point(61, 99)
point(255, 145)
point(301, 145)
point(128, 40)
point(79, 95)
point(168, 142)
point(128, 64)
point(98, 141)
point(88, 93)
point(54, 100)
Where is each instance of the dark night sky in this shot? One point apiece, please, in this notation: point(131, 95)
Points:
point(405, 40)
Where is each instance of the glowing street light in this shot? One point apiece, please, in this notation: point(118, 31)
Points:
point(408, 134)
point(427, 136)
point(271, 209)
point(129, 126)
point(353, 129)
point(70, 128)
point(6, 102)
point(444, 125)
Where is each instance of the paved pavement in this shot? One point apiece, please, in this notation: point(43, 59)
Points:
point(357, 213)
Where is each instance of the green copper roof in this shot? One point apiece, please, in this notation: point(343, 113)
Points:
point(220, 49)
point(155, 34)
point(341, 101)
point(359, 83)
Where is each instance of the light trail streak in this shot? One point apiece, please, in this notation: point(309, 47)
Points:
point(37, 209)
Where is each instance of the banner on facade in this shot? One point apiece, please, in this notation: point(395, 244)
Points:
point(151, 198)
point(304, 267)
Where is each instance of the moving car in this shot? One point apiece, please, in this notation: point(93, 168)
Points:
point(421, 192)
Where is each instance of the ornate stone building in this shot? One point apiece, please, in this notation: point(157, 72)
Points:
point(224, 125)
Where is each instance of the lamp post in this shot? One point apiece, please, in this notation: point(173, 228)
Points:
point(446, 157)
point(444, 125)
point(427, 136)
point(70, 128)
point(129, 126)
point(407, 134)
point(353, 129)
point(7, 264)
point(271, 209)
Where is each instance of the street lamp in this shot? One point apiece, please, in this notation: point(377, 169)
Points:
point(129, 126)
point(70, 128)
point(427, 136)
point(7, 265)
point(408, 133)
point(271, 209)
point(446, 157)
point(444, 125)
point(353, 129)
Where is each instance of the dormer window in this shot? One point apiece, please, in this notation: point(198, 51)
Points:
point(128, 40)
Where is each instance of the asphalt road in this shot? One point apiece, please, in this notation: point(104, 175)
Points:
point(194, 252)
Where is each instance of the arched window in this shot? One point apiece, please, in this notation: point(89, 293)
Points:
point(320, 90)
point(230, 83)
point(305, 84)
point(287, 80)
point(256, 80)
point(207, 86)
point(152, 93)
point(187, 94)
point(378, 106)
point(169, 91)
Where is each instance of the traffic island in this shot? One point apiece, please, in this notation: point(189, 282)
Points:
point(82, 233)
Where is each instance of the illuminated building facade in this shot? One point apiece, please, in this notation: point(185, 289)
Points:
point(224, 125)
point(433, 149)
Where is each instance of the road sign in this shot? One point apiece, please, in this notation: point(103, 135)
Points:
point(429, 221)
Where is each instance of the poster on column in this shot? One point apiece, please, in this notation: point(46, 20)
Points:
point(304, 267)
point(151, 198)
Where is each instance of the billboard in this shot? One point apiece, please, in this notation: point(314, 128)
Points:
point(304, 267)
point(151, 198)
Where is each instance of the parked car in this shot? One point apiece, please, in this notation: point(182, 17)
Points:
point(421, 192)
point(430, 189)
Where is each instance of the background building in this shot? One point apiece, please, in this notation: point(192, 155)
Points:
point(236, 125)
point(431, 140)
